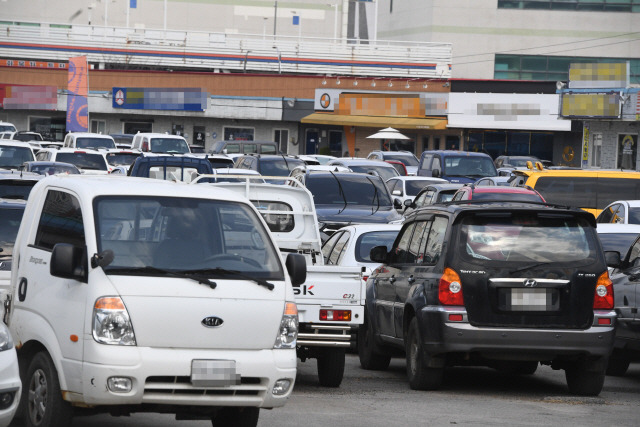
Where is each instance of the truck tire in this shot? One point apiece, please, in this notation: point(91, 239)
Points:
point(236, 417)
point(331, 366)
point(370, 355)
point(586, 378)
point(421, 377)
point(44, 406)
point(618, 366)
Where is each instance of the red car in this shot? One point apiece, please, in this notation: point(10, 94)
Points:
point(498, 193)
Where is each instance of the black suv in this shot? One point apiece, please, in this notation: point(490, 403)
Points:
point(505, 285)
point(269, 165)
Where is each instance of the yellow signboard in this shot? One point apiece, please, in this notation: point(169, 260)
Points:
point(590, 105)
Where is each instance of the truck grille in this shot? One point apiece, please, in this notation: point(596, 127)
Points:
point(159, 389)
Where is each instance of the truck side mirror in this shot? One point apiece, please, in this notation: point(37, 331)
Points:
point(612, 258)
point(68, 262)
point(408, 203)
point(397, 204)
point(435, 173)
point(297, 268)
point(378, 254)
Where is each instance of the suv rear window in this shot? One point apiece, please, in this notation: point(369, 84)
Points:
point(83, 160)
point(530, 238)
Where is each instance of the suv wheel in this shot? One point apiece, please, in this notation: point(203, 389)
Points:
point(370, 355)
point(421, 377)
point(586, 378)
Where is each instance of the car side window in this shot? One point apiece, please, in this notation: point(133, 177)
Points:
point(341, 245)
point(419, 201)
point(60, 221)
point(428, 198)
point(458, 196)
point(436, 165)
point(416, 240)
point(329, 244)
point(399, 253)
point(433, 241)
point(392, 185)
point(619, 216)
point(607, 215)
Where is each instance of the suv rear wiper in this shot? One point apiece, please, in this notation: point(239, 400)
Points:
point(225, 272)
point(200, 278)
point(344, 197)
point(527, 267)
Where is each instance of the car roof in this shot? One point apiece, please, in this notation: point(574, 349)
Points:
point(361, 162)
point(630, 203)
point(606, 228)
point(366, 228)
point(14, 143)
point(418, 178)
point(441, 187)
point(91, 135)
point(456, 153)
point(502, 189)
point(159, 135)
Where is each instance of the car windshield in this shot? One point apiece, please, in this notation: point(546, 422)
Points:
point(385, 172)
point(88, 142)
point(9, 128)
point(278, 166)
point(16, 188)
point(84, 160)
point(9, 224)
point(53, 169)
point(118, 159)
point(27, 137)
point(521, 162)
point(358, 190)
point(469, 166)
point(407, 159)
point(620, 242)
point(524, 237)
point(368, 241)
point(415, 186)
point(11, 157)
point(169, 145)
point(179, 234)
point(634, 216)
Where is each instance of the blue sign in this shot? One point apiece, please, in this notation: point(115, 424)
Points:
point(133, 4)
point(181, 99)
point(296, 20)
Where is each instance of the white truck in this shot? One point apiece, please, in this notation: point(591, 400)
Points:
point(331, 301)
point(137, 295)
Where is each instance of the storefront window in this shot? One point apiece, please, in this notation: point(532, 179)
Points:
point(627, 151)
point(238, 134)
point(595, 154)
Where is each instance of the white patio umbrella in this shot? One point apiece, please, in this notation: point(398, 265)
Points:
point(388, 133)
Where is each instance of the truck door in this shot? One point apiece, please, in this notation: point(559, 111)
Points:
point(52, 301)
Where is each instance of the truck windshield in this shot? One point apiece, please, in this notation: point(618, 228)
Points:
point(359, 190)
point(527, 238)
point(117, 159)
point(169, 145)
point(83, 160)
point(470, 166)
point(180, 234)
point(95, 143)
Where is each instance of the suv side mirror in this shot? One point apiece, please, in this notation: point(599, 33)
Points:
point(435, 173)
point(397, 204)
point(378, 254)
point(612, 258)
point(68, 262)
point(297, 268)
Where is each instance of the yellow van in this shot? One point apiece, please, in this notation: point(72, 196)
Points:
point(591, 189)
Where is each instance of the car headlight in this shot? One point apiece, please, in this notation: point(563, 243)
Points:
point(288, 332)
point(6, 342)
point(111, 323)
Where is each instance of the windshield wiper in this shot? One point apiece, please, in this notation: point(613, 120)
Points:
point(344, 197)
point(225, 272)
point(181, 274)
point(527, 267)
point(375, 197)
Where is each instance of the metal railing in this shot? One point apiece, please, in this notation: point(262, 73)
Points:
point(220, 51)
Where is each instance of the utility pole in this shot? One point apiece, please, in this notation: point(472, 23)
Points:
point(275, 19)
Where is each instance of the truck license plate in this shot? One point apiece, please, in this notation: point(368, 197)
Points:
point(214, 373)
point(530, 299)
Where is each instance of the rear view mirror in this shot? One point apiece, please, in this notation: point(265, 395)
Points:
point(297, 268)
point(612, 258)
point(378, 254)
point(68, 262)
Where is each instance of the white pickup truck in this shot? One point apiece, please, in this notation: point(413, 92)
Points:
point(331, 301)
point(137, 295)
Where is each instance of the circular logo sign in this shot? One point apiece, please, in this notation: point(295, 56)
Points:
point(119, 97)
point(325, 100)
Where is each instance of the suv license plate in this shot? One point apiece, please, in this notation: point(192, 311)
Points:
point(530, 299)
point(214, 373)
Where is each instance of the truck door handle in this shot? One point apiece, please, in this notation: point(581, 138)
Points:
point(411, 279)
point(392, 279)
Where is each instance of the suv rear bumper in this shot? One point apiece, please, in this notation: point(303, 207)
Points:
point(446, 336)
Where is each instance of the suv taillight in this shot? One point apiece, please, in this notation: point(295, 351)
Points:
point(450, 288)
point(603, 297)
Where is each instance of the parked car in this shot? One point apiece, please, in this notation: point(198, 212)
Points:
point(220, 161)
point(244, 147)
point(87, 160)
point(121, 157)
point(14, 153)
point(494, 180)
point(160, 143)
point(122, 140)
point(463, 167)
point(431, 194)
point(17, 184)
point(617, 237)
point(7, 127)
point(49, 168)
point(621, 212)
point(267, 165)
point(322, 158)
point(404, 188)
point(515, 161)
point(170, 168)
point(493, 285)
point(626, 291)
point(10, 384)
point(407, 158)
point(26, 136)
point(309, 160)
point(376, 167)
point(87, 140)
point(497, 193)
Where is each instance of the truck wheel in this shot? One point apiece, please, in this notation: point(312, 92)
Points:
point(617, 367)
point(371, 358)
point(586, 378)
point(421, 377)
point(236, 417)
point(331, 366)
point(44, 406)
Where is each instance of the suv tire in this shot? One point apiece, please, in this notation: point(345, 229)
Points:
point(421, 377)
point(586, 378)
point(370, 354)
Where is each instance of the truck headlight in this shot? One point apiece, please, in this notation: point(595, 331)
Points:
point(288, 333)
point(111, 323)
point(6, 342)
